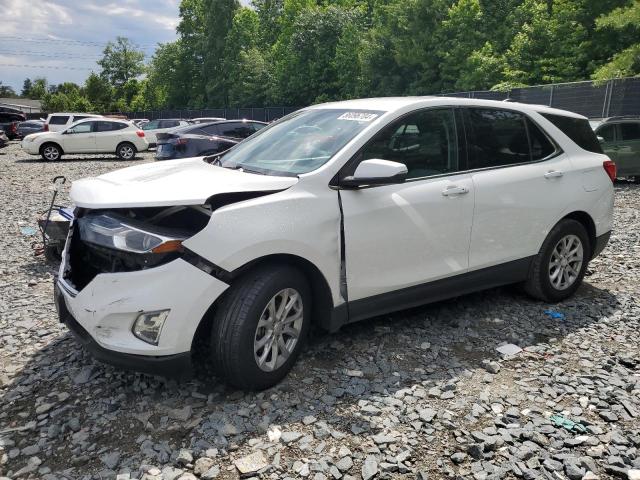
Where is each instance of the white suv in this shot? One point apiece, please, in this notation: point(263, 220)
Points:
point(56, 122)
point(333, 214)
point(96, 135)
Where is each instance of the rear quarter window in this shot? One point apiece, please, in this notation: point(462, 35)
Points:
point(58, 120)
point(578, 130)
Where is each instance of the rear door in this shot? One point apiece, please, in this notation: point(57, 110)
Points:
point(519, 178)
point(400, 236)
point(238, 130)
point(628, 149)
point(108, 135)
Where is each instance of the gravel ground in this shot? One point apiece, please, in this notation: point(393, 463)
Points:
point(419, 394)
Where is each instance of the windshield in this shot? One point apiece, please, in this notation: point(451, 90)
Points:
point(299, 143)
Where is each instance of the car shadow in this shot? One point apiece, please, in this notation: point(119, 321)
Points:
point(371, 361)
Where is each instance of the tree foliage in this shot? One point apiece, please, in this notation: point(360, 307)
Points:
point(299, 52)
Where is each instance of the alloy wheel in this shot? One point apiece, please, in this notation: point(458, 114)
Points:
point(51, 153)
point(126, 152)
point(566, 262)
point(278, 330)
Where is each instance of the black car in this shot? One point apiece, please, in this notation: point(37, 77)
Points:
point(30, 126)
point(9, 123)
point(204, 138)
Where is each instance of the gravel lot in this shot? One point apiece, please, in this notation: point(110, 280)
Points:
point(418, 394)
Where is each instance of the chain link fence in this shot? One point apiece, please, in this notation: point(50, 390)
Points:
point(591, 99)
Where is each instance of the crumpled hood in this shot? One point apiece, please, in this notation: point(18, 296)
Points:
point(174, 182)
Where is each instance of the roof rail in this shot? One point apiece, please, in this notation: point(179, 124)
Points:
point(622, 117)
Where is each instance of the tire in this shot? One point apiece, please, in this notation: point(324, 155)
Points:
point(560, 280)
point(126, 151)
point(51, 152)
point(236, 331)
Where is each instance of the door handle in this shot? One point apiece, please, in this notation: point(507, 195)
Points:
point(553, 174)
point(454, 190)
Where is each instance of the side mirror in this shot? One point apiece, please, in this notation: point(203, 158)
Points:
point(600, 139)
point(376, 172)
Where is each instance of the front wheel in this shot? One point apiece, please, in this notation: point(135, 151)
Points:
point(51, 152)
point(126, 151)
point(260, 327)
point(559, 267)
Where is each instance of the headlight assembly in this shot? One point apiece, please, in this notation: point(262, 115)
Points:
point(120, 233)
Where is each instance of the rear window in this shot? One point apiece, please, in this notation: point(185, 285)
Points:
point(58, 120)
point(630, 131)
point(578, 130)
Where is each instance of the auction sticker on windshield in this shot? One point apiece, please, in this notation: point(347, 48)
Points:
point(358, 116)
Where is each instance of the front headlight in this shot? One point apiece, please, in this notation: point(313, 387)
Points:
point(119, 233)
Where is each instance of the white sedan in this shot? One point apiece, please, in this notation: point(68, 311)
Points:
point(88, 136)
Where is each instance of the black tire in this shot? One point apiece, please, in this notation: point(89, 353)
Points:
point(126, 151)
point(235, 326)
point(51, 152)
point(539, 284)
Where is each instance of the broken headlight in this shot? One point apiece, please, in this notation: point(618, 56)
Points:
point(119, 233)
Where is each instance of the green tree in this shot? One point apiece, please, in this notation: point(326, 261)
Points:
point(121, 62)
point(27, 85)
point(7, 91)
point(218, 20)
point(97, 91)
point(39, 88)
point(625, 21)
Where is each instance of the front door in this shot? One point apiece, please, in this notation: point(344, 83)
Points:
point(399, 236)
point(79, 138)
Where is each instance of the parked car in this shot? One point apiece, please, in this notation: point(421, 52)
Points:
point(56, 122)
point(161, 125)
point(204, 138)
point(30, 126)
point(4, 140)
point(336, 213)
point(139, 122)
point(206, 119)
point(620, 139)
point(9, 123)
point(93, 135)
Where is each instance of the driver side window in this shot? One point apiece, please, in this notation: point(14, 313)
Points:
point(81, 128)
point(425, 141)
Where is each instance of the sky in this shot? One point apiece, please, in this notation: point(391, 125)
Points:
point(62, 39)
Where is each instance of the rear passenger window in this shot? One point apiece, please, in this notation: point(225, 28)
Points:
point(607, 133)
point(425, 141)
point(577, 129)
point(58, 120)
point(630, 131)
point(541, 146)
point(210, 129)
point(235, 130)
point(497, 138)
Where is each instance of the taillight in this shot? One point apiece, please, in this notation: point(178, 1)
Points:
point(610, 168)
point(140, 133)
point(14, 127)
point(181, 141)
point(46, 127)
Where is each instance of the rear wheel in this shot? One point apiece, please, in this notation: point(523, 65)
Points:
point(260, 327)
point(51, 152)
point(559, 267)
point(126, 151)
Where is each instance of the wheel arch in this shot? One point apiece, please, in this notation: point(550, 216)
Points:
point(324, 315)
point(587, 222)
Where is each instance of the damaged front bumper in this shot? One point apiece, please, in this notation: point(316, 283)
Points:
point(102, 314)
